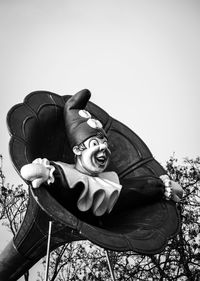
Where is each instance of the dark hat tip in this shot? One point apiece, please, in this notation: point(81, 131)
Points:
point(79, 100)
point(84, 93)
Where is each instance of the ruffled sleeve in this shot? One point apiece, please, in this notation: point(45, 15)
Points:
point(46, 163)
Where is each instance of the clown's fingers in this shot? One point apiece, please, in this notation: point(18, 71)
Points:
point(34, 171)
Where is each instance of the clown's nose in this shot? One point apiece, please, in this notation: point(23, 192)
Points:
point(102, 146)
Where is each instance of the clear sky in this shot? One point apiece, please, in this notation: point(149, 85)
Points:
point(140, 59)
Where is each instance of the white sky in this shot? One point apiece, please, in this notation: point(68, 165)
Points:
point(140, 59)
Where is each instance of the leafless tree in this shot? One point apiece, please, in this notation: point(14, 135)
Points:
point(13, 204)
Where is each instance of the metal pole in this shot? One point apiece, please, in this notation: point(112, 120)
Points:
point(110, 267)
point(48, 252)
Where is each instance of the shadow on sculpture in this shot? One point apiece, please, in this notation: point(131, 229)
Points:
point(37, 130)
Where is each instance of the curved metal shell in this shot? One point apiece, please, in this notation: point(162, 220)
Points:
point(37, 130)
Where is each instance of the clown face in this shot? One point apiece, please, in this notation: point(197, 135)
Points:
point(94, 158)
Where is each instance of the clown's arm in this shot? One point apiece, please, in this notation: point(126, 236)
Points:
point(135, 190)
point(143, 190)
point(42, 171)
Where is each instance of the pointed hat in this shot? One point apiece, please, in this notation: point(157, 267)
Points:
point(79, 123)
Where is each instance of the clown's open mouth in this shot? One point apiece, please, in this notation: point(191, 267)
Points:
point(101, 160)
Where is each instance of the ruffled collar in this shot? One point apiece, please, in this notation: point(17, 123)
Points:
point(99, 193)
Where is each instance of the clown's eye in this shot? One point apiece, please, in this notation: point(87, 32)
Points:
point(106, 143)
point(93, 143)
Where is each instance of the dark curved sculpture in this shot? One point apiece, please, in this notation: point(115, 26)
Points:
point(37, 130)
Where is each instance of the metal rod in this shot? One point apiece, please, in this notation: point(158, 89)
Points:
point(110, 267)
point(48, 252)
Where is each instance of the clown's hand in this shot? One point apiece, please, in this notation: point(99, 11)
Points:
point(38, 172)
point(173, 190)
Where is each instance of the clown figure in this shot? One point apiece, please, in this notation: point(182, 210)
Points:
point(85, 188)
